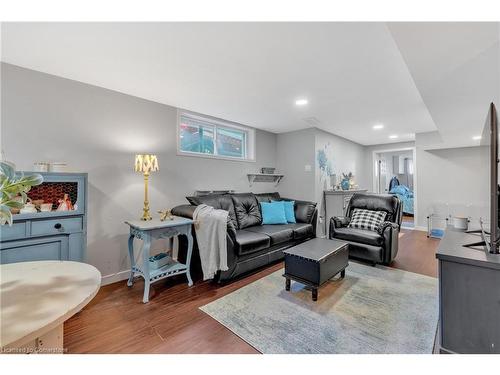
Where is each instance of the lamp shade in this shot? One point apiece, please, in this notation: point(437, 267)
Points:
point(146, 163)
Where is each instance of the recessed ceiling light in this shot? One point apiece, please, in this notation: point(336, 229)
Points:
point(393, 136)
point(301, 102)
point(378, 126)
point(476, 137)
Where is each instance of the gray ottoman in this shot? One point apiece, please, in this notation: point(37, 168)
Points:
point(315, 262)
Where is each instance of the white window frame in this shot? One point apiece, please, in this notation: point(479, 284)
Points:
point(217, 124)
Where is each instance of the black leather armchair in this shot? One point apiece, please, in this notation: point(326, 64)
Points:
point(379, 246)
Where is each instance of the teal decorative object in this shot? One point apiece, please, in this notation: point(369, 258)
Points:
point(289, 207)
point(322, 160)
point(159, 260)
point(273, 213)
point(345, 184)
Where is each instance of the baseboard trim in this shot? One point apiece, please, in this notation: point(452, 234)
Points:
point(407, 228)
point(114, 277)
point(422, 229)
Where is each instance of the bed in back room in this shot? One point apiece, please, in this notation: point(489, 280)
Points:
point(404, 193)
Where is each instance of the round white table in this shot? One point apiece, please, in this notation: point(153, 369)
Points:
point(36, 298)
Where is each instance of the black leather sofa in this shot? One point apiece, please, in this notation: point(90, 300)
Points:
point(250, 244)
point(379, 246)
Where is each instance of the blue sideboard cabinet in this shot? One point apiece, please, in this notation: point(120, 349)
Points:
point(55, 235)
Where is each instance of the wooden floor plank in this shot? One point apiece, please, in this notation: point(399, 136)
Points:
point(117, 321)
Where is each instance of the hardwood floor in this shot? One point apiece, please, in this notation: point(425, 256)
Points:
point(117, 321)
point(408, 218)
point(417, 253)
point(408, 221)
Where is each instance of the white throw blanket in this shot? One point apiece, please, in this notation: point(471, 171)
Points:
point(211, 231)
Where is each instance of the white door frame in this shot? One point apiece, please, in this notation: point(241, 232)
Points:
point(415, 177)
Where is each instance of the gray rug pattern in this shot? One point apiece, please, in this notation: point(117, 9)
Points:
point(373, 310)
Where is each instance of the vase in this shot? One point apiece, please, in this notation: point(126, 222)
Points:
point(345, 184)
point(333, 181)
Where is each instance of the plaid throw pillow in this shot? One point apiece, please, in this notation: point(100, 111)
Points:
point(367, 219)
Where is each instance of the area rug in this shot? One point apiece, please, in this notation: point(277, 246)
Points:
point(373, 310)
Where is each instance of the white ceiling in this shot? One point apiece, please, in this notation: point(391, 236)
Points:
point(456, 67)
point(413, 78)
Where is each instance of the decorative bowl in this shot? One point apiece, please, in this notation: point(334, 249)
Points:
point(46, 207)
point(58, 167)
point(267, 170)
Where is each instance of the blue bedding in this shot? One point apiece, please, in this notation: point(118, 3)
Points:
point(406, 195)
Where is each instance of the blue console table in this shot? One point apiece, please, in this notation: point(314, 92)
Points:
point(55, 235)
point(147, 231)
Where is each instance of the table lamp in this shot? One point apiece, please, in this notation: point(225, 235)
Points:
point(146, 163)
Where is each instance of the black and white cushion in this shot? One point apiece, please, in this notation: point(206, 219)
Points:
point(367, 219)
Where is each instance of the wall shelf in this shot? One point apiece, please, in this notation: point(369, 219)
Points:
point(264, 177)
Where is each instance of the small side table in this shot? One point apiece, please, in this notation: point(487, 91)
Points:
point(147, 231)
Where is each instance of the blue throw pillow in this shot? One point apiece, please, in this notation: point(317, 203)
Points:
point(289, 211)
point(273, 213)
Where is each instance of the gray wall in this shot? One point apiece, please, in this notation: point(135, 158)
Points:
point(369, 161)
point(458, 177)
point(392, 169)
point(299, 149)
point(295, 151)
point(48, 118)
point(343, 156)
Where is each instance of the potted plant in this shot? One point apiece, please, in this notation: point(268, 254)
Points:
point(13, 189)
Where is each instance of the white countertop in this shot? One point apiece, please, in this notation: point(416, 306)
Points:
point(36, 297)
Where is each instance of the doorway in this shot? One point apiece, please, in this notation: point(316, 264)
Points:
point(395, 174)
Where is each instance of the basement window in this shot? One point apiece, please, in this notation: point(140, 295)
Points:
point(204, 136)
